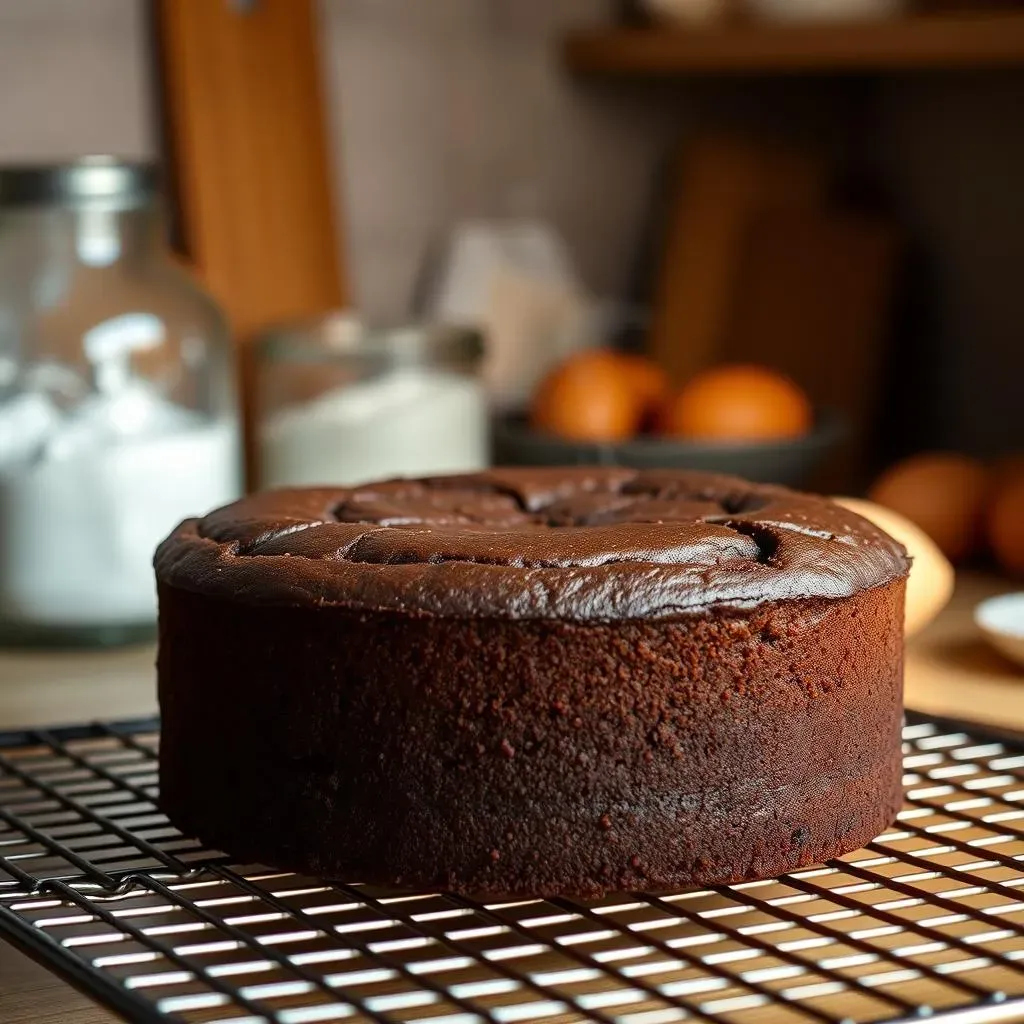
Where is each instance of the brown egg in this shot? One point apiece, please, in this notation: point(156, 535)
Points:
point(1006, 526)
point(943, 493)
point(588, 398)
point(738, 403)
point(649, 382)
point(1006, 470)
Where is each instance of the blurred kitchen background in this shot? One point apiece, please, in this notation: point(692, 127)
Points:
point(780, 238)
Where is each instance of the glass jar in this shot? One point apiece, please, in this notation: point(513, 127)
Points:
point(117, 403)
point(341, 403)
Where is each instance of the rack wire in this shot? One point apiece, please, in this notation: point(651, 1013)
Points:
point(928, 921)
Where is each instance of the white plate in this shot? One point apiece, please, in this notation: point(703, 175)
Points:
point(1001, 619)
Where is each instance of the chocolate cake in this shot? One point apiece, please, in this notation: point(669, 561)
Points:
point(532, 682)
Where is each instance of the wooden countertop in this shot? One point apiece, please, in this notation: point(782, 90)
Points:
point(39, 689)
point(950, 671)
point(43, 689)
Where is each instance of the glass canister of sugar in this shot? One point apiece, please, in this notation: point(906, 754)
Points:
point(118, 414)
point(342, 403)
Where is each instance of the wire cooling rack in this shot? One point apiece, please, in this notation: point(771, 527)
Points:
point(927, 921)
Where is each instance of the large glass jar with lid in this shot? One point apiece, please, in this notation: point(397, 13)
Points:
point(118, 414)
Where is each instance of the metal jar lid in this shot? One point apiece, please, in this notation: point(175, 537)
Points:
point(91, 181)
point(344, 337)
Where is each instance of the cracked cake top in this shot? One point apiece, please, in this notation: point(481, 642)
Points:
point(579, 544)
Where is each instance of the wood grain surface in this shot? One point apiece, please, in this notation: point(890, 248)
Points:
point(963, 40)
point(246, 140)
point(723, 186)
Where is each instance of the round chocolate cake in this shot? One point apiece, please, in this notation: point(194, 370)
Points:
point(532, 682)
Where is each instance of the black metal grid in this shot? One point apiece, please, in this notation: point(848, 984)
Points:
point(928, 920)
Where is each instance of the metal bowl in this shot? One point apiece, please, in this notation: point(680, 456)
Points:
point(791, 462)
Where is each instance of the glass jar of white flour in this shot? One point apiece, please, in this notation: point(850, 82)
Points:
point(117, 407)
point(341, 403)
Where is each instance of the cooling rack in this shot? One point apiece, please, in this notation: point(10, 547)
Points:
point(928, 921)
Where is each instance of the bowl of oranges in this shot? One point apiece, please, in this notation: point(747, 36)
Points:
point(606, 407)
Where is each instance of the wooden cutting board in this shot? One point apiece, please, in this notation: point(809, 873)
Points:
point(813, 302)
point(247, 148)
point(723, 185)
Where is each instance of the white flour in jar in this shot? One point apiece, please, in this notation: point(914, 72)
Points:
point(87, 498)
point(408, 422)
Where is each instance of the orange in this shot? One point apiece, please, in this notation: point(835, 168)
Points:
point(738, 403)
point(589, 397)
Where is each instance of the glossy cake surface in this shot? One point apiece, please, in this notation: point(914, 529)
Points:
point(533, 681)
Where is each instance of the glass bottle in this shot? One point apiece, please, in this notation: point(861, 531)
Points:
point(118, 411)
point(342, 403)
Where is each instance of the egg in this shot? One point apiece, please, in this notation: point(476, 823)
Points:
point(645, 377)
point(648, 381)
point(932, 577)
point(588, 398)
point(738, 403)
point(1006, 526)
point(942, 493)
point(1006, 469)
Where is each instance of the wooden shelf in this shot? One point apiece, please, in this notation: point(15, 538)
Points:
point(953, 41)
